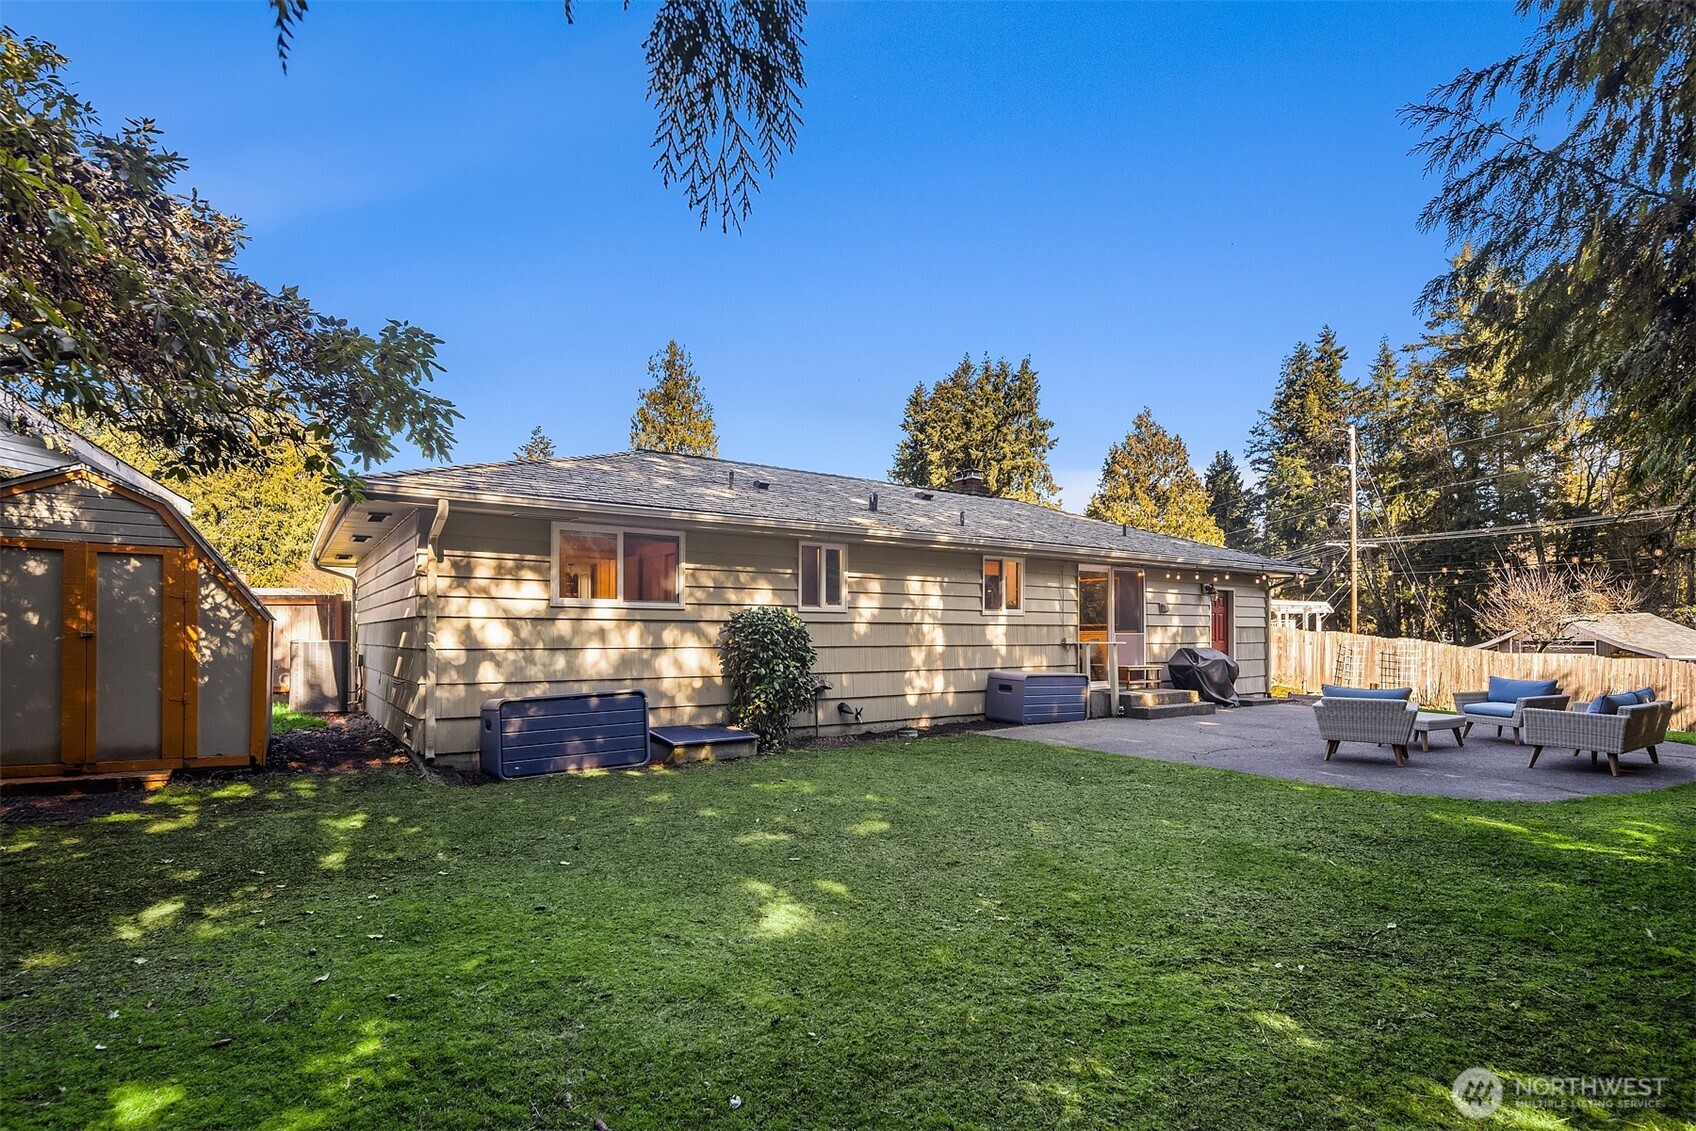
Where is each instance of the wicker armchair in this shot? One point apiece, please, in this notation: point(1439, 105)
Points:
point(1642, 727)
point(1385, 722)
point(1515, 719)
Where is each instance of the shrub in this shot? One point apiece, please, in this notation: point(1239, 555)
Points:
point(768, 660)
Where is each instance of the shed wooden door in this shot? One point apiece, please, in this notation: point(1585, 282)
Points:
point(94, 656)
point(1222, 622)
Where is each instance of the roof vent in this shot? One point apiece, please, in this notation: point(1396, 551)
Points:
point(763, 484)
point(376, 516)
point(970, 482)
point(362, 537)
point(927, 496)
point(874, 501)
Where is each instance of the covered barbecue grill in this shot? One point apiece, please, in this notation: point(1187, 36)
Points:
point(1207, 671)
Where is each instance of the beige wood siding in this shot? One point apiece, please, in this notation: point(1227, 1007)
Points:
point(83, 512)
point(912, 645)
point(1187, 621)
point(389, 630)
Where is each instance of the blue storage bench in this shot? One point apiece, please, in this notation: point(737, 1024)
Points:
point(1037, 697)
point(672, 746)
point(552, 734)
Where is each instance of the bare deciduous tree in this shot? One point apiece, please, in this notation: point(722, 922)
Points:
point(1540, 603)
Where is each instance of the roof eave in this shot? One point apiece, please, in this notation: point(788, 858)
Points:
point(399, 494)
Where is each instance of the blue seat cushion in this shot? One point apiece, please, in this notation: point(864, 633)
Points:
point(1333, 691)
point(1645, 694)
point(1610, 704)
point(1513, 690)
point(1490, 710)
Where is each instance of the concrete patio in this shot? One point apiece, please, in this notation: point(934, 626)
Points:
point(1281, 741)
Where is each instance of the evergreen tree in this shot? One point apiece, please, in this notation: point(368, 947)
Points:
point(1299, 447)
point(1147, 482)
point(986, 417)
point(673, 415)
point(1230, 502)
point(1570, 166)
point(538, 446)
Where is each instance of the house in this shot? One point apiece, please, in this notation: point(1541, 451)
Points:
point(603, 572)
point(127, 644)
point(1614, 635)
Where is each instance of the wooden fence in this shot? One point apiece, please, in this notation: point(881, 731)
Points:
point(1303, 660)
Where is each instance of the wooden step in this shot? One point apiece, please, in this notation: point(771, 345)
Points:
point(83, 783)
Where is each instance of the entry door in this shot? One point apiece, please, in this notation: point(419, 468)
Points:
point(1130, 625)
point(1222, 622)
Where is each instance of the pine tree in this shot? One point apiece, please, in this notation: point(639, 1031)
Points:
point(986, 417)
point(538, 446)
point(1230, 502)
point(673, 415)
point(1299, 447)
point(1147, 482)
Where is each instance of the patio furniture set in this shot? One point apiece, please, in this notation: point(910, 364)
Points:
point(1535, 710)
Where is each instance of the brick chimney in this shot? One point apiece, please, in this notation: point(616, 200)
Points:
point(969, 482)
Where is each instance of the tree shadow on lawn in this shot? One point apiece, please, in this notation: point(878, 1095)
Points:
point(941, 934)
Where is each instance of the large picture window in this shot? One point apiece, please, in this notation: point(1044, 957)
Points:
point(637, 567)
point(1003, 585)
point(821, 576)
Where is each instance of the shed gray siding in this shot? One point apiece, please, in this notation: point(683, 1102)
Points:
point(83, 511)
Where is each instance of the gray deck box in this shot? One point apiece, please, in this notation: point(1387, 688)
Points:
point(553, 734)
point(1037, 697)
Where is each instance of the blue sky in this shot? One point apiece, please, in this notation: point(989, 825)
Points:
point(1155, 202)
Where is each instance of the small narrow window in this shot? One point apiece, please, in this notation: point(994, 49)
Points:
point(821, 576)
point(1003, 585)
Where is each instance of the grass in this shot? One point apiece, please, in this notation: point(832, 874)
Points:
point(955, 932)
point(284, 720)
point(1682, 736)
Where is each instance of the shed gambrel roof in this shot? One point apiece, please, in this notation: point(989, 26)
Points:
point(759, 495)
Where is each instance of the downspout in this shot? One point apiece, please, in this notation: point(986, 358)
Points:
point(428, 567)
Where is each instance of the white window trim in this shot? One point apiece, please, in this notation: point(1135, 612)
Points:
point(983, 594)
point(800, 556)
point(618, 532)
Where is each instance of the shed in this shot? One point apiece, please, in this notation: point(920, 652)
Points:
point(1612, 635)
point(126, 642)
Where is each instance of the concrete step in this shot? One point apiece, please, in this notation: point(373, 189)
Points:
point(1167, 710)
point(1156, 697)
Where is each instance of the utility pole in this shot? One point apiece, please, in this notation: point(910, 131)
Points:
point(1354, 536)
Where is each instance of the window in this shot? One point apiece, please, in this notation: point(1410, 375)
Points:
point(821, 576)
point(1003, 585)
point(637, 567)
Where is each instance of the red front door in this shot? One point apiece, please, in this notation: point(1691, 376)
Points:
point(1222, 622)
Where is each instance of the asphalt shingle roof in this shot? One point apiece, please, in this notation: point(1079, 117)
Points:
point(731, 489)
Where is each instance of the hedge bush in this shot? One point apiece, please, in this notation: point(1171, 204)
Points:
point(768, 660)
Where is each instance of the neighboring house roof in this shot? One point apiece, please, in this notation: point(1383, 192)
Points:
point(32, 441)
point(751, 494)
point(1643, 633)
point(173, 517)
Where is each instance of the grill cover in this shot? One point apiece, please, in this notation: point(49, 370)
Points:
point(1206, 671)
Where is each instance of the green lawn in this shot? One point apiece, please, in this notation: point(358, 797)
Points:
point(284, 720)
point(955, 932)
